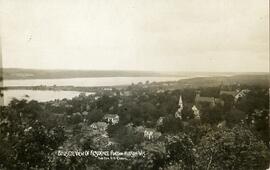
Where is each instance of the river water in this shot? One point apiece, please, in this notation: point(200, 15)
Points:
point(88, 82)
point(42, 96)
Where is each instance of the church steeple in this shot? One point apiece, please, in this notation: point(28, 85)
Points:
point(178, 113)
point(180, 102)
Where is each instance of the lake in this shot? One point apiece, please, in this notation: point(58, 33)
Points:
point(39, 95)
point(88, 82)
point(44, 96)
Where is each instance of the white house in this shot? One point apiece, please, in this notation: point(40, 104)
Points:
point(178, 115)
point(102, 126)
point(160, 121)
point(151, 134)
point(222, 124)
point(148, 134)
point(241, 94)
point(96, 97)
point(111, 118)
point(196, 112)
point(76, 114)
point(84, 113)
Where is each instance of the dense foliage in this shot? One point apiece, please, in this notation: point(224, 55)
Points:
point(230, 136)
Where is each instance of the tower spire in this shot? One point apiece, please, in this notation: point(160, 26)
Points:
point(180, 102)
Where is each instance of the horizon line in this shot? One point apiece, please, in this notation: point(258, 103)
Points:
point(157, 71)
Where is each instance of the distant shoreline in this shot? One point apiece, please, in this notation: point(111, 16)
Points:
point(26, 74)
point(261, 80)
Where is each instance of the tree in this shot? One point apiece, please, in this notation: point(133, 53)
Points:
point(95, 115)
point(212, 115)
point(228, 102)
point(180, 151)
point(255, 99)
point(234, 117)
point(235, 148)
point(127, 137)
point(75, 119)
point(154, 158)
point(171, 125)
point(26, 144)
point(30, 147)
point(196, 130)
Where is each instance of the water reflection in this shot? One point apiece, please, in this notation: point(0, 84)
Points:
point(39, 95)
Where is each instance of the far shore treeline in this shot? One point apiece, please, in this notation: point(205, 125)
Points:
point(19, 73)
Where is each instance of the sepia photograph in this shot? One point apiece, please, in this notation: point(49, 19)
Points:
point(134, 85)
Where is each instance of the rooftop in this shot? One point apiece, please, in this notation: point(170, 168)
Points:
point(204, 99)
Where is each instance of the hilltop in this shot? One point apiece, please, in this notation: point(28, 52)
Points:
point(20, 73)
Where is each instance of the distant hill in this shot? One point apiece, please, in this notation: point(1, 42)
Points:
point(18, 73)
point(243, 79)
point(15, 73)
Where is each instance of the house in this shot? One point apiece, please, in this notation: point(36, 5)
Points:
point(85, 128)
point(68, 106)
point(60, 117)
point(101, 126)
point(5, 121)
point(76, 114)
point(236, 94)
point(130, 125)
point(148, 133)
point(107, 89)
point(100, 141)
point(125, 93)
point(211, 101)
point(68, 132)
point(111, 118)
point(84, 113)
point(96, 97)
point(230, 93)
point(178, 115)
point(111, 143)
point(200, 100)
point(56, 104)
point(241, 94)
point(222, 124)
point(151, 134)
point(160, 91)
point(160, 121)
point(196, 112)
point(258, 112)
point(28, 129)
point(219, 101)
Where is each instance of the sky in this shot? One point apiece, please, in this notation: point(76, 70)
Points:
point(164, 35)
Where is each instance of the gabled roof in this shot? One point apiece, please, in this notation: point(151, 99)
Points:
point(100, 124)
point(149, 130)
point(194, 108)
point(204, 99)
point(84, 113)
point(111, 116)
